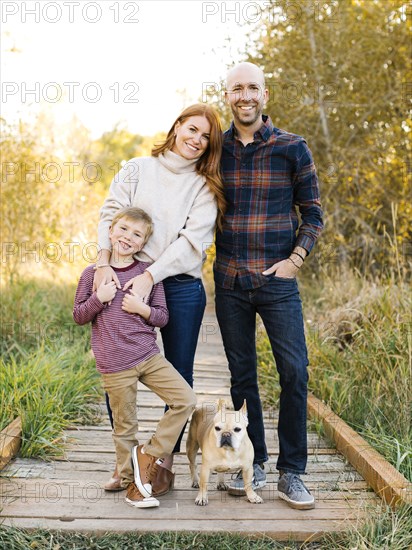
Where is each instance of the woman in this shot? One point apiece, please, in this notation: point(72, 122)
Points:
point(180, 187)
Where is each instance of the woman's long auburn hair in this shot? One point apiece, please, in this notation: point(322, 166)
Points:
point(208, 164)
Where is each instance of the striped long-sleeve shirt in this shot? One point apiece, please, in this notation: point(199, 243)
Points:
point(120, 340)
point(265, 183)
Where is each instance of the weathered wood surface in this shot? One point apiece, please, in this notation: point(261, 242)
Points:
point(10, 442)
point(67, 494)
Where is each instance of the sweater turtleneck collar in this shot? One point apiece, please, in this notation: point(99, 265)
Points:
point(177, 164)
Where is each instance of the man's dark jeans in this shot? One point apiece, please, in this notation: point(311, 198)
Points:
point(278, 304)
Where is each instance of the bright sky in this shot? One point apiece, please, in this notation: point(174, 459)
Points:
point(101, 68)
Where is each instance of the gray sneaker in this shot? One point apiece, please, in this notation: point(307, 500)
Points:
point(292, 489)
point(237, 487)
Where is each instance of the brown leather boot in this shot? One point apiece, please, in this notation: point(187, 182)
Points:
point(144, 466)
point(163, 482)
point(135, 498)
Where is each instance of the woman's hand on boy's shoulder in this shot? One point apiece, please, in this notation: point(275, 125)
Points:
point(142, 285)
point(105, 275)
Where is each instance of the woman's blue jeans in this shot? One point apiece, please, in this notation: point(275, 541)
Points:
point(278, 304)
point(186, 302)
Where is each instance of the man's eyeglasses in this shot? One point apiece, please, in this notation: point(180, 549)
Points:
point(252, 91)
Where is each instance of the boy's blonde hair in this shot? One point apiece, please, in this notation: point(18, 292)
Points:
point(137, 215)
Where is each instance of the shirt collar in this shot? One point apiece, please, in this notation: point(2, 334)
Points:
point(264, 132)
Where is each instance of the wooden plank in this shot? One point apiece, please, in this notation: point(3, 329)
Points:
point(284, 530)
point(106, 446)
point(326, 462)
point(71, 489)
point(340, 481)
point(91, 505)
point(89, 433)
point(106, 464)
point(314, 455)
point(211, 366)
point(386, 481)
point(10, 441)
point(79, 460)
point(332, 466)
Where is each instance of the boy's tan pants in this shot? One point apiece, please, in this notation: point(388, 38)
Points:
point(163, 379)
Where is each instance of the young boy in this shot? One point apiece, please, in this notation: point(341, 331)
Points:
point(124, 344)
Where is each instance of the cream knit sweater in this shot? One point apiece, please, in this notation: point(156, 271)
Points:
point(181, 205)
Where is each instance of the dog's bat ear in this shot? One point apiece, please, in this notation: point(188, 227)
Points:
point(243, 410)
point(221, 405)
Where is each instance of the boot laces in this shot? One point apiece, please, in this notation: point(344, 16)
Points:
point(153, 471)
point(136, 491)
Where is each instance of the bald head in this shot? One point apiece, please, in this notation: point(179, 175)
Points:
point(245, 72)
point(247, 96)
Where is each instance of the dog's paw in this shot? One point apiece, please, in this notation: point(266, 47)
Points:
point(201, 501)
point(221, 486)
point(195, 485)
point(255, 499)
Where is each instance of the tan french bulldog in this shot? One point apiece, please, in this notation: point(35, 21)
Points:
point(221, 434)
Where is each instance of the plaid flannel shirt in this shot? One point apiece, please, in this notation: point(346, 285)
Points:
point(265, 183)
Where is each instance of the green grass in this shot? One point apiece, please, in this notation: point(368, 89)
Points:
point(42, 540)
point(46, 373)
point(37, 312)
point(50, 390)
point(384, 530)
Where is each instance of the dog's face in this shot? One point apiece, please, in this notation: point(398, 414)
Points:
point(230, 426)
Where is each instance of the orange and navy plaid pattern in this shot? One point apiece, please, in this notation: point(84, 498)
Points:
point(267, 184)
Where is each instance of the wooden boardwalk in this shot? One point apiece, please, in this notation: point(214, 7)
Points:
point(66, 494)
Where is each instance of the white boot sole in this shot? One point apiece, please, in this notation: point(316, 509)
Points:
point(150, 502)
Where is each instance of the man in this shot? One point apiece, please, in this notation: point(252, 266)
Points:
point(268, 174)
